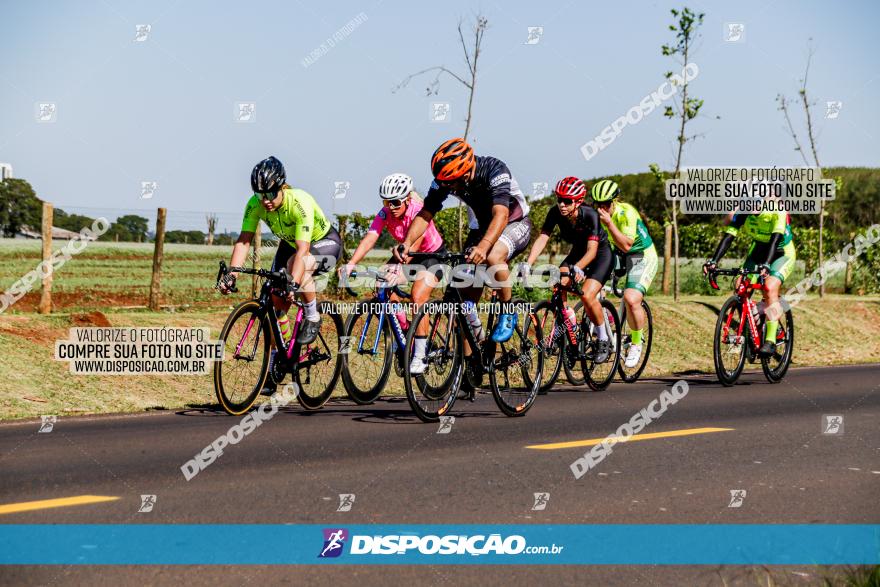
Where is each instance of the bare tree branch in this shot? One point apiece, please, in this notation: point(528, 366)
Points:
point(439, 68)
point(464, 49)
point(783, 105)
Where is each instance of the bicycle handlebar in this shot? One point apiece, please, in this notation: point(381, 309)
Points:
point(738, 272)
point(380, 277)
point(281, 278)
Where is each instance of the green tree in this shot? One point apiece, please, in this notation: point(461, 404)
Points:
point(19, 206)
point(685, 30)
point(135, 226)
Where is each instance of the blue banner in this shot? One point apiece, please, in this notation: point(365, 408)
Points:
point(252, 544)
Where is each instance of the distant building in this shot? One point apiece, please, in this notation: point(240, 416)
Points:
point(5, 171)
point(57, 233)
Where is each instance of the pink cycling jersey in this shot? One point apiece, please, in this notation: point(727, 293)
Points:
point(398, 227)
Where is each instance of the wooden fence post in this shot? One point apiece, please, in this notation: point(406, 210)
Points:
point(257, 244)
point(156, 281)
point(46, 296)
point(667, 257)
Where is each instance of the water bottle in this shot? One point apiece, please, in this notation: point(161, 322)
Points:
point(470, 314)
point(401, 317)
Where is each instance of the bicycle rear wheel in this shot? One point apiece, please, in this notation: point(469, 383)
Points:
point(432, 393)
point(318, 365)
point(729, 348)
point(551, 334)
point(366, 360)
point(515, 374)
point(776, 365)
point(632, 374)
point(240, 376)
point(599, 375)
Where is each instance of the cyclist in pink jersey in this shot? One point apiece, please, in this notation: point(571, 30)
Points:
point(397, 213)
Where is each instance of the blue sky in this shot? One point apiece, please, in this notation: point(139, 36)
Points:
point(163, 109)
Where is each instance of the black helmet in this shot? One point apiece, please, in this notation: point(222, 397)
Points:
point(268, 176)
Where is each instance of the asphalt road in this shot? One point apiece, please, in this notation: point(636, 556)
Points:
point(293, 468)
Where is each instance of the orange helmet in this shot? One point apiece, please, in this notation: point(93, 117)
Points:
point(452, 160)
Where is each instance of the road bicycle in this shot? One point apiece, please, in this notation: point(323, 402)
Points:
point(574, 349)
point(374, 338)
point(514, 367)
point(740, 330)
point(250, 332)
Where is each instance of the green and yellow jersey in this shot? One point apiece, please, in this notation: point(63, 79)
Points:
point(299, 218)
point(626, 218)
point(760, 227)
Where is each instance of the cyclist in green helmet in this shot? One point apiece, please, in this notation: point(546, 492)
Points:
point(772, 255)
point(628, 234)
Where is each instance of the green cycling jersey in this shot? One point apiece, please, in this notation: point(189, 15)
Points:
point(299, 218)
point(626, 218)
point(761, 227)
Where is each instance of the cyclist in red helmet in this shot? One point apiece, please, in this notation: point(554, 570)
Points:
point(590, 260)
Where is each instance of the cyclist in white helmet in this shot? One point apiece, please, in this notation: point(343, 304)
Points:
point(400, 204)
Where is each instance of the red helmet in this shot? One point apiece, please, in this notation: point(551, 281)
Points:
point(570, 188)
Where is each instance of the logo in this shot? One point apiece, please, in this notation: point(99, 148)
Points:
point(345, 345)
point(245, 112)
point(541, 500)
point(46, 111)
point(446, 423)
point(737, 497)
point(540, 189)
point(147, 503)
point(142, 32)
point(832, 424)
point(734, 32)
point(340, 189)
point(346, 501)
point(334, 541)
point(148, 188)
point(499, 179)
point(832, 109)
point(535, 34)
point(440, 112)
point(47, 424)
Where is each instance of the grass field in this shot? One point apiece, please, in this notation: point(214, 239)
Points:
point(117, 275)
point(835, 330)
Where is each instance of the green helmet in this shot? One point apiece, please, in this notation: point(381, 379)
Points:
point(605, 190)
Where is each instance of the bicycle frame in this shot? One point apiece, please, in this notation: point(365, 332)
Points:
point(383, 297)
point(744, 292)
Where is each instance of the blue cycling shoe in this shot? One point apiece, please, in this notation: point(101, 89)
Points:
point(504, 329)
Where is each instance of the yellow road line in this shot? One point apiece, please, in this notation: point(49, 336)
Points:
point(595, 441)
point(12, 508)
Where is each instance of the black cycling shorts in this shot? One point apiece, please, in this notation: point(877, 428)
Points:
point(432, 264)
point(601, 267)
point(326, 251)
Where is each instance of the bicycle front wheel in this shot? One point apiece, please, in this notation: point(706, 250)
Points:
point(240, 376)
point(515, 374)
point(632, 374)
point(432, 393)
point(318, 364)
point(599, 375)
point(729, 344)
point(366, 355)
point(551, 332)
point(776, 365)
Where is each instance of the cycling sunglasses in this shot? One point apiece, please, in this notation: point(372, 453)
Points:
point(567, 201)
point(395, 204)
point(267, 196)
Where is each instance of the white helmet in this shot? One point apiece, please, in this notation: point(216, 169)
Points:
point(396, 186)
